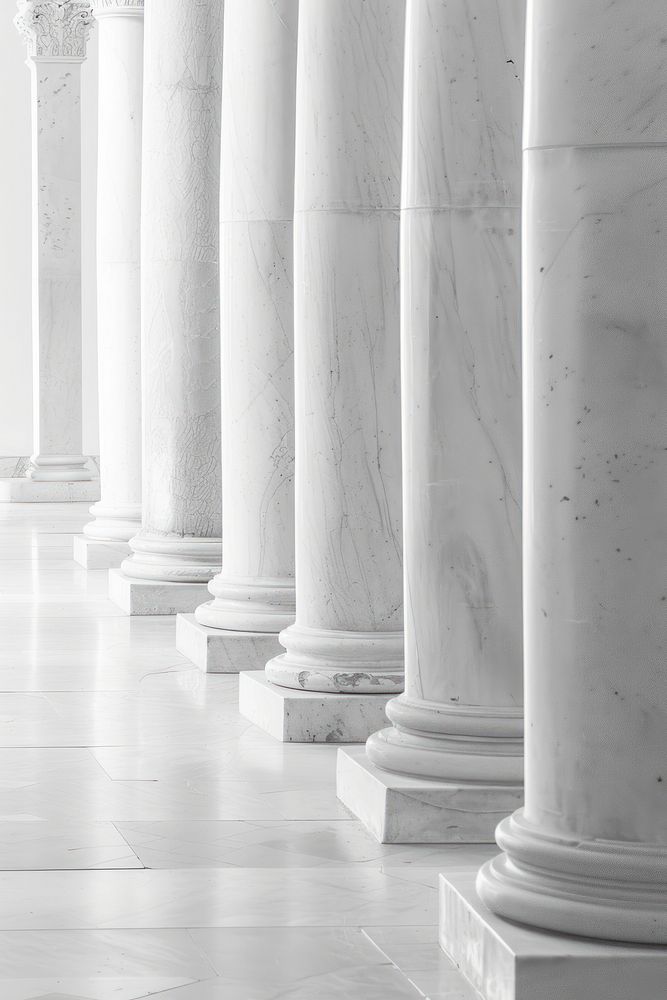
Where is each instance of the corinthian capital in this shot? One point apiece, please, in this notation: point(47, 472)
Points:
point(54, 28)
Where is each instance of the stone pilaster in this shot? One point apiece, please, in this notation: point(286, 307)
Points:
point(56, 33)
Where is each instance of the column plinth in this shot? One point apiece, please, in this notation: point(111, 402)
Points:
point(56, 33)
point(178, 548)
point(347, 638)
point(459, 722)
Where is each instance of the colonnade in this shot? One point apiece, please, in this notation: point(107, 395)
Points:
point(312, 180)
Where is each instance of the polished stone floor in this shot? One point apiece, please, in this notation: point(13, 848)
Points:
point(153, 842)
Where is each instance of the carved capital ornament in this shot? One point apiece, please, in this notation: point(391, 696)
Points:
point(54, 29)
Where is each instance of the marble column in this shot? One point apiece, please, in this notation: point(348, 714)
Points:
point(587, 855)
point(344, 655)
point(56, 33)
point(117, 517)
point(454, 750)
point(253, 596)
point(178, 548)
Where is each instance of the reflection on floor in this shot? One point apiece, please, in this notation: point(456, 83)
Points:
point(154, 842)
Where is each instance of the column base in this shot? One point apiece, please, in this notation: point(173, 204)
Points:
point(58, 468)
point(181, 559)
point(603, 889)
point(249, 605)
point(398, 809)
point(308, 716)
point(457, 744)
point(91, 554)
point(504, 961)
point(223, 652)
point(339, 662)
point(24, 490)
point(114, 524)
point(150, 597)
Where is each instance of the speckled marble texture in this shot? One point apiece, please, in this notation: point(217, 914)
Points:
point(348, 632)
point(595, 356)
point(460, 719)
point(117, 517)
point(180, 295)
point(56, 40)
point(24, 490)
point(255, 591)
point(153, 597)
point(223, 651)
point(403, 809)
point(504, 961)
point(294, 716)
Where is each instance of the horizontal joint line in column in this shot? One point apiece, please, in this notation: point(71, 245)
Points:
point(368, 210)
point(260, 219)
point(599, 145)
point(456, 208)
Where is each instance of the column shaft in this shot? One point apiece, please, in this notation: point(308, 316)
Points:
point(180, 536)
point(460, 718)
point(348, 631)
point(56, 34)
point(588, 854)
point(255, 590)
point(121, 33)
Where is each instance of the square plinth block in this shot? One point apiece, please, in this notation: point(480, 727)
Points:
point(144, 597)
point(293, 716)
point(92, 554)
point(23, 490)
point(398, 809)
point(220, 651)
point(505, 961)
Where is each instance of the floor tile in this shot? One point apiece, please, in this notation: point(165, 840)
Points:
point(221, 897)
point(38, 846)
point(117, 753)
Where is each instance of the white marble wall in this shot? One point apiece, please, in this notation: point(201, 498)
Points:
point(255, 590)
point(56, 37)
point(348, 632)
point(461, 339)
point(121, 34)
point(595, 356)
point(181, 526)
